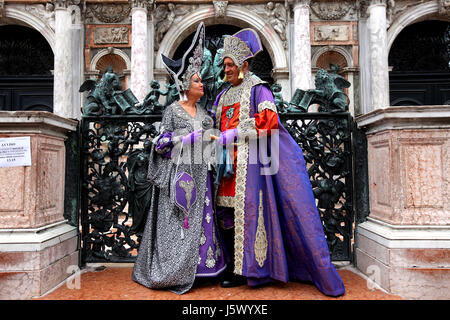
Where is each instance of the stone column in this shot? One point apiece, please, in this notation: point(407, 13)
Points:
point(150, 45)
point(404, 246)
point(379, 73)
point(139, 49)
point(62, 89)
point(301, 64)
point(77, 37)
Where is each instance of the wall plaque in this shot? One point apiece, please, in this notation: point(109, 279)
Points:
point(15, 152)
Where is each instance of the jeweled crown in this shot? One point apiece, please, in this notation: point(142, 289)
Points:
point(241, 46)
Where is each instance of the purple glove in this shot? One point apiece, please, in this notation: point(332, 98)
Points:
point(228, 136)
point(192, 137)
point(164, 145)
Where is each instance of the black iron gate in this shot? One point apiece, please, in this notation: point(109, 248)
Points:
point(115, 195)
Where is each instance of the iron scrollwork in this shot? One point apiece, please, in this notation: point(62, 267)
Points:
point(115, 194)
point(325, 139)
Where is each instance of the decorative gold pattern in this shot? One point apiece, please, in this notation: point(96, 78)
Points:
point(261, 235)
point(210, 262)
point(202, 237)
point(225, 201)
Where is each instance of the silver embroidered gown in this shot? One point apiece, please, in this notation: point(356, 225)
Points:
point(171, 256)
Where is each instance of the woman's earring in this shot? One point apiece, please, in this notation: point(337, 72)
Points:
point(241, 75)
point(225, 79)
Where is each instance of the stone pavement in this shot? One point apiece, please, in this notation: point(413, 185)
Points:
point(114, 282)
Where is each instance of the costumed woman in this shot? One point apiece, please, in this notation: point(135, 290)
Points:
point(267, 210)
point(181, 239)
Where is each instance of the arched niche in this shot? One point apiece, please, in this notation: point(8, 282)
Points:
point(327, 55)
point(117, 59)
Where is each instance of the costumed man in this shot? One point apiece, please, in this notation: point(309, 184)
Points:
point(269, 218)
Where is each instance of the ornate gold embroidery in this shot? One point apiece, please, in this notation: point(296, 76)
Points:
point(261, 235)
point(241, 169)
point(225, 201)
point(241, 182)
point(210, 262)
point(202, 237)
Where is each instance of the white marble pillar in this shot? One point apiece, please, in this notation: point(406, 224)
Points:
point(379, 73)
point(301, 64)
point(151, 46)
point(77, 32)
point(62, 88)
point(139, 50)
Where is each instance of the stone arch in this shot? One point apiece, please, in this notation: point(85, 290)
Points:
point(421, 94)
point(341, 57)
point(117, 58)
point(319, 54)
point(16, 14)
point(113, 51)
point(419, 13)
point(234, 15)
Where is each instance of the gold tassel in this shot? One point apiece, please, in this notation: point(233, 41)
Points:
point(241, 75)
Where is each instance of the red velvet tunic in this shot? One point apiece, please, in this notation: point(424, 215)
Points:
point(265, 120)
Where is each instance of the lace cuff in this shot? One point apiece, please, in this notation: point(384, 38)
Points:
point(267, 105)
point(247, 128)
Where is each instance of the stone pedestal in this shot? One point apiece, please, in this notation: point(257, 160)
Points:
point(36, 244)
point(404, 245)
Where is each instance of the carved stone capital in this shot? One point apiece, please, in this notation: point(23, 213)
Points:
point(444, 7)
point(377, 2)
point(364, 5)
point(64, 4)
point(294, 3)
point(61, 4)
point(220, 8)
point(144, 4)
point(2, 7)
